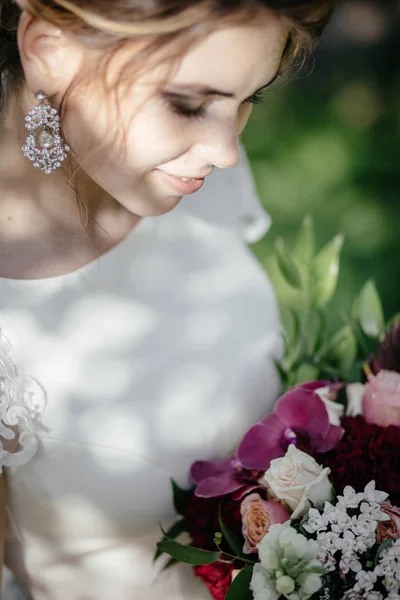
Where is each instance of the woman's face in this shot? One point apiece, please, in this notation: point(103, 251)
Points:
point(180, 129)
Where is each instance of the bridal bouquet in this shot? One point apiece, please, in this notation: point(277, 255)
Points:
point(308, 504)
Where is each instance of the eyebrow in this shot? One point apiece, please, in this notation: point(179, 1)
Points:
point(205, 90)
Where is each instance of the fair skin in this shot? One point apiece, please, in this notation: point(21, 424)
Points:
point(41, 231)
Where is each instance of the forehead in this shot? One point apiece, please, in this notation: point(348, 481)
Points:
point(239, 57)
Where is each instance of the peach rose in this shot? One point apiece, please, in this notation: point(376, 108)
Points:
point(381, 400)
point(257, 517)
point(389, 530)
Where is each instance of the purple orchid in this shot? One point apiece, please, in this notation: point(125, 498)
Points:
point(217, 478)
point(299, 418)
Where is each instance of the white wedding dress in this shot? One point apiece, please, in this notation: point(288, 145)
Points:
point(119, 375)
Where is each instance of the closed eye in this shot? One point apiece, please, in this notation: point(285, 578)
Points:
point(186, 106)
point(256, 98)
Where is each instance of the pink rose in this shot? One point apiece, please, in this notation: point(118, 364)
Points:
point(389, 530)
point(257, 517)
point(381, 400)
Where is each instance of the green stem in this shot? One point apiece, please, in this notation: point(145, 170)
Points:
point(241, 558)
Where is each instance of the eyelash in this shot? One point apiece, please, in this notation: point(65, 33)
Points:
point(190, 113)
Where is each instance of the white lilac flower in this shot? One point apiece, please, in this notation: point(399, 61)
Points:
point(346, 543)
point(288, 566)
point(364, 543)
point(350, 498)
point(372, 511)
point(338, 517)
point(327, 540)
point(329, 563)
point(365, 581)
point(388, 567)
point(373, 495)
point(363, 527)
point(315, 522)
point(349, 562)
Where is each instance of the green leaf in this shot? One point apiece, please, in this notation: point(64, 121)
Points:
point(325, 272)
point(287, 265)
point(322, 334)
point(291, 325)
point(343, 349)
point(234, 542)
point(188, 554)
point(176, 529)
point(370, 312)
point(314, 333)
point(181, 498)
point(305, 244)
point(240, 587)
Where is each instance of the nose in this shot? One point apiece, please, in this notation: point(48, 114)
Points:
point(220, 145)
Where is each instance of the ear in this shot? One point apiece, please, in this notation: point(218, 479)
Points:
point(50, 58)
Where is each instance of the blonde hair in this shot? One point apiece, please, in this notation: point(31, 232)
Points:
point(167, 25)
point(161, 21)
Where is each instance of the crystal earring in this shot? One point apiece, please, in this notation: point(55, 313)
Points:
point(47, 149)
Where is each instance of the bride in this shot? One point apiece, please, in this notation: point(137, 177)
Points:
point(138, 333)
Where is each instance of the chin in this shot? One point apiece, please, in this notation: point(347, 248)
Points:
point(154, 207)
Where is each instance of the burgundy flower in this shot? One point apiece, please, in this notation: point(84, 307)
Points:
point(365, 452)
point(388, 352)
point(217, 577)
point(201, 519)
point(299, 417)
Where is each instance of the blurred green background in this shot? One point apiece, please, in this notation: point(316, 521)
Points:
point(327, 144)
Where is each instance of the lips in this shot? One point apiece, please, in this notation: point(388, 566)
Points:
point(181, 185)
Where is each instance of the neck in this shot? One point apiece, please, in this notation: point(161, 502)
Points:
point(39, 214)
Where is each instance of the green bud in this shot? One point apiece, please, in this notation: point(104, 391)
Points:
point(325, 271)
point(285, 585)
point(370, 312)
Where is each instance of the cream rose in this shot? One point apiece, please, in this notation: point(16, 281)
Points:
point(298, 480)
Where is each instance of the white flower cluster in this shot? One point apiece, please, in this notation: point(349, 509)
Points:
point(288, 566)
point(388, 567)
point(343, 537)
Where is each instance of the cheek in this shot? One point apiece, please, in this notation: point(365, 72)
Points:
point(155, 136)
point(90, 128)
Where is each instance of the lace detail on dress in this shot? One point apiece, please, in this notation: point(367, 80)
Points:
point(22, 404)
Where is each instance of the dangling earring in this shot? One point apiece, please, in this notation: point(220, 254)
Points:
point(46, 150)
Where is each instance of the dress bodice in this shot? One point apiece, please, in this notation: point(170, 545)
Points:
point(158, 354)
